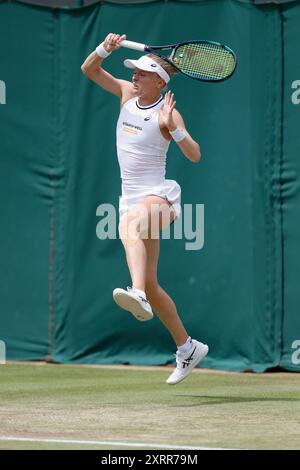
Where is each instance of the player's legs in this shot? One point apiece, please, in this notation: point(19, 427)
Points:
point(140, 237)
point(140, 232)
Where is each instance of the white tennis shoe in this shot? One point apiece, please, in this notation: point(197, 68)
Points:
point(186, 362)
point(134, 303)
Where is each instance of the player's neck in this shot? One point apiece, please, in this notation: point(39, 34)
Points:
point(148, 99)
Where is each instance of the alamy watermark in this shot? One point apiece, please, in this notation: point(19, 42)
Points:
point(295, 97)
point(189, 226)
point(295, 358)
point(2, 352)
point(2, 92)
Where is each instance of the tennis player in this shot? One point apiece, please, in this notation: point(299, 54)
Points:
point(148, 121)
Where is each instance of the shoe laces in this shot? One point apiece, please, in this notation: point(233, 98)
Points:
point(143, 299)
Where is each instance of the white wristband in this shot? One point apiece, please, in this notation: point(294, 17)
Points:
point(178, 135)
point(101, 51)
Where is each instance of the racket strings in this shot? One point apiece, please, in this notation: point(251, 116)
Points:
point(207, 61)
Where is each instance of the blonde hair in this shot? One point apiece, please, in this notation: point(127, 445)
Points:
point(164, 64)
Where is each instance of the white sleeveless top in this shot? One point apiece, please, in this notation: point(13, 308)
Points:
point(142, 153)
point(141, 148)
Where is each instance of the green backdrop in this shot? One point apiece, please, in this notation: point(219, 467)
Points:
point(58, 163)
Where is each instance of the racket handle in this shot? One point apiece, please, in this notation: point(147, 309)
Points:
point(137, 46)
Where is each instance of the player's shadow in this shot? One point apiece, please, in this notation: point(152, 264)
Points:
point(201, 400)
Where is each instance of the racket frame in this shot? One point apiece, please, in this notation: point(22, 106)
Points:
point(153, 49)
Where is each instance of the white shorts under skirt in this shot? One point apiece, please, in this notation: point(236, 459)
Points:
point(169, 190)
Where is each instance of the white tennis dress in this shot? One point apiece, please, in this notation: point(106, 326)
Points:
point(142, 153)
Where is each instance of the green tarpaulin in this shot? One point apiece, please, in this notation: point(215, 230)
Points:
point(58, 163)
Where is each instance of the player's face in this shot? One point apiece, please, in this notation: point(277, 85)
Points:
point(144, 81)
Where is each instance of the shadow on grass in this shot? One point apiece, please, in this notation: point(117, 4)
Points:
point(211, 400)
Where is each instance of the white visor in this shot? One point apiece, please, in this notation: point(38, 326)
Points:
point(149, 65)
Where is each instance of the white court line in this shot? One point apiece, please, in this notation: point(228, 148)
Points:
point(109, 443)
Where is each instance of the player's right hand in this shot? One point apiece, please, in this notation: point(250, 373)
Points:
point(112, 41)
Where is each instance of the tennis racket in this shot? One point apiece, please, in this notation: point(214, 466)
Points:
point(207, 61)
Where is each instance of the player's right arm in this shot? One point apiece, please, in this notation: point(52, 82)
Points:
point(91, 67)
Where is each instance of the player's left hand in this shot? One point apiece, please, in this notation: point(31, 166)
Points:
point(166, 112)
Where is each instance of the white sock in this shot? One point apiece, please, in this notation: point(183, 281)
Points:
point(186, 347)
point(139, 292)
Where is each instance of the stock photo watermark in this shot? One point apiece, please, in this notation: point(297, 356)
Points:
point(295, 358)
point(2, 92)
point(189, 226)
point(2, 352)
point(295, 97)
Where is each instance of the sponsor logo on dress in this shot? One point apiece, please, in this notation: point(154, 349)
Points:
point(131, 128)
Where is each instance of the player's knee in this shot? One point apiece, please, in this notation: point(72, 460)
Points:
point(134, 225)
point(129, 230)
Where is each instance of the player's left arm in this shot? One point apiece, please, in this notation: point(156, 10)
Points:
point(189, 147)
point(174, 122)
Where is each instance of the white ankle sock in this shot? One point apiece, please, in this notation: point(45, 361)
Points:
point(186, 347)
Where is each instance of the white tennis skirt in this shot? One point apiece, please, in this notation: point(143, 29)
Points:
point(168, 189)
